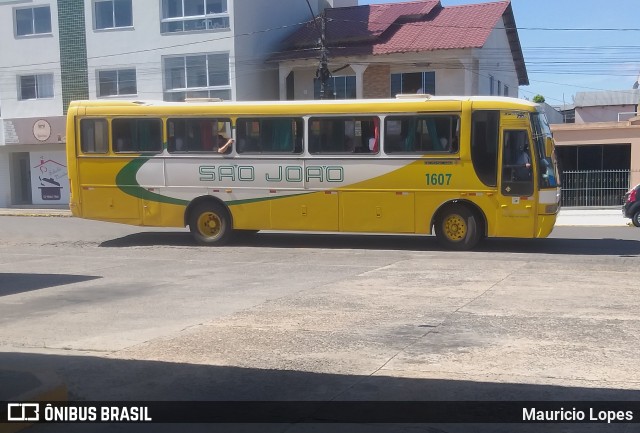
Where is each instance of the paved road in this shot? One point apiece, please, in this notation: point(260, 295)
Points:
point(128, 313)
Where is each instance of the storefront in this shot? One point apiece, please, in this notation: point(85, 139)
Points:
point(33, 166)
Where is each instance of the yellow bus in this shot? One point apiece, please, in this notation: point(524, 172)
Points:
point(463, 168)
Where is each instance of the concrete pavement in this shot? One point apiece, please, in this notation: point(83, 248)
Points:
point(20, 385)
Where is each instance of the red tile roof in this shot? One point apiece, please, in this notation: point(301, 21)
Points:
point(454, 27)
point(418, 26)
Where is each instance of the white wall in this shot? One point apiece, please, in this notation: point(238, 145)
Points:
point(495, 59)
point(260, 27)
point(604, 113)
point(31, 55)
point(143, 46)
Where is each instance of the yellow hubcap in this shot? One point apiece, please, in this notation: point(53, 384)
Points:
point(209, 224)
point(455, 227)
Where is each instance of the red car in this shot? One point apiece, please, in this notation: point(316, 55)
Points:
point(631, 206)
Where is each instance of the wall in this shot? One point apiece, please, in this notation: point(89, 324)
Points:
point(603, 133)
point(606, 113)
point(37, 54)
point(259, 28)
point(500, 66)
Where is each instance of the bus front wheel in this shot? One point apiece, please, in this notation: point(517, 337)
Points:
point(210, 224)
point(457, 228)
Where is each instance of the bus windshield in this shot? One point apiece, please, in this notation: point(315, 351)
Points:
point(547, 163)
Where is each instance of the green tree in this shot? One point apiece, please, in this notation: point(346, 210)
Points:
point(538, 99)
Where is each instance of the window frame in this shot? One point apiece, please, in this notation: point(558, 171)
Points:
point(453, 138)
point(207, 18)
point(365, 149)
point(297, 147)
point(114, 25)
point(208, 91)
point(37, 86)
point(34, 32)
point(157, 150)
point(104, 149)
point(117, 82)
point(427, 86)
point(172, 134)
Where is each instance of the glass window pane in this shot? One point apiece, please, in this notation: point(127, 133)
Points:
point(218, 69)
point(93, 136)
point(127, 82)
point(396, 85)
point(221, 94)
point(28, 87)
point(107, 83)
point(104, 15)
point(42, 19)
point(216, 6)
point(193, 7)
point(171, 8)
point(24, 22)
point(174, 96)
point(45, 86)
point(343, 135)
point(174, 73)
point(421, 134)
point(196, 71)
point(123, 13)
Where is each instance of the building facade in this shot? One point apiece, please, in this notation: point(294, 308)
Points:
point(378, 51)
point(604, 134)
point(55, 51)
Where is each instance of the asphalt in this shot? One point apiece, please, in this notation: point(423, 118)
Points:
point(20, 385)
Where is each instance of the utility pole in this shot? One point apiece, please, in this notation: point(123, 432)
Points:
point(322, 73)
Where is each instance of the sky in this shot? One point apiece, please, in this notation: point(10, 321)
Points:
point(573, 46)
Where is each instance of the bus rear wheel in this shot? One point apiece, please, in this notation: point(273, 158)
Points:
point(457, 228)
point(210, 224)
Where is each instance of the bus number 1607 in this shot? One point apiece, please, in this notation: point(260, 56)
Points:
point(435, 179)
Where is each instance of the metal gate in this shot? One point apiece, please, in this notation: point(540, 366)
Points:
point(594, 188)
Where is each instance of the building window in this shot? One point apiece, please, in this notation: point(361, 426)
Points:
point(413, 82)
point(110, 14)
point(492, 85)
point(35, 86)
point(193, 15)
point(197, 76)
point(116, 83)
point(343, 87)
point(506, 90)
point(33, 21)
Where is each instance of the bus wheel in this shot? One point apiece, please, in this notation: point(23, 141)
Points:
point(210, 224)
point(457, 228)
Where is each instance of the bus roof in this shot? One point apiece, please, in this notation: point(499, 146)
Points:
point(401, 103)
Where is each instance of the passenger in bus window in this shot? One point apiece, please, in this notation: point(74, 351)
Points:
point(228, 141)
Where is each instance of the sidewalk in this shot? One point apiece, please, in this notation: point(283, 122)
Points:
point(567, 216)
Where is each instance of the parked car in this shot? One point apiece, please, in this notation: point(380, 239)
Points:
point(631, 206)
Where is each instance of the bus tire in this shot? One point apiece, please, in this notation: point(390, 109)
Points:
point(458, 228)
point(210, 224)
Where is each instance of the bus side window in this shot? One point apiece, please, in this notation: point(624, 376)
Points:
point(94, 136)
point(136, 135)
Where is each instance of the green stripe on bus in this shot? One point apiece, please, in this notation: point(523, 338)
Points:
point(127, 182)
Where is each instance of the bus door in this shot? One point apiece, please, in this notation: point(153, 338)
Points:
point(517, 212)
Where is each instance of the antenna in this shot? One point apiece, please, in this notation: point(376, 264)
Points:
point(322, 73)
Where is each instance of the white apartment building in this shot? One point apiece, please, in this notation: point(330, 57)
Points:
point(55, 51)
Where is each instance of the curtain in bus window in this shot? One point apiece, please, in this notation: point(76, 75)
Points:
point(281, 135)
point(410, 131)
